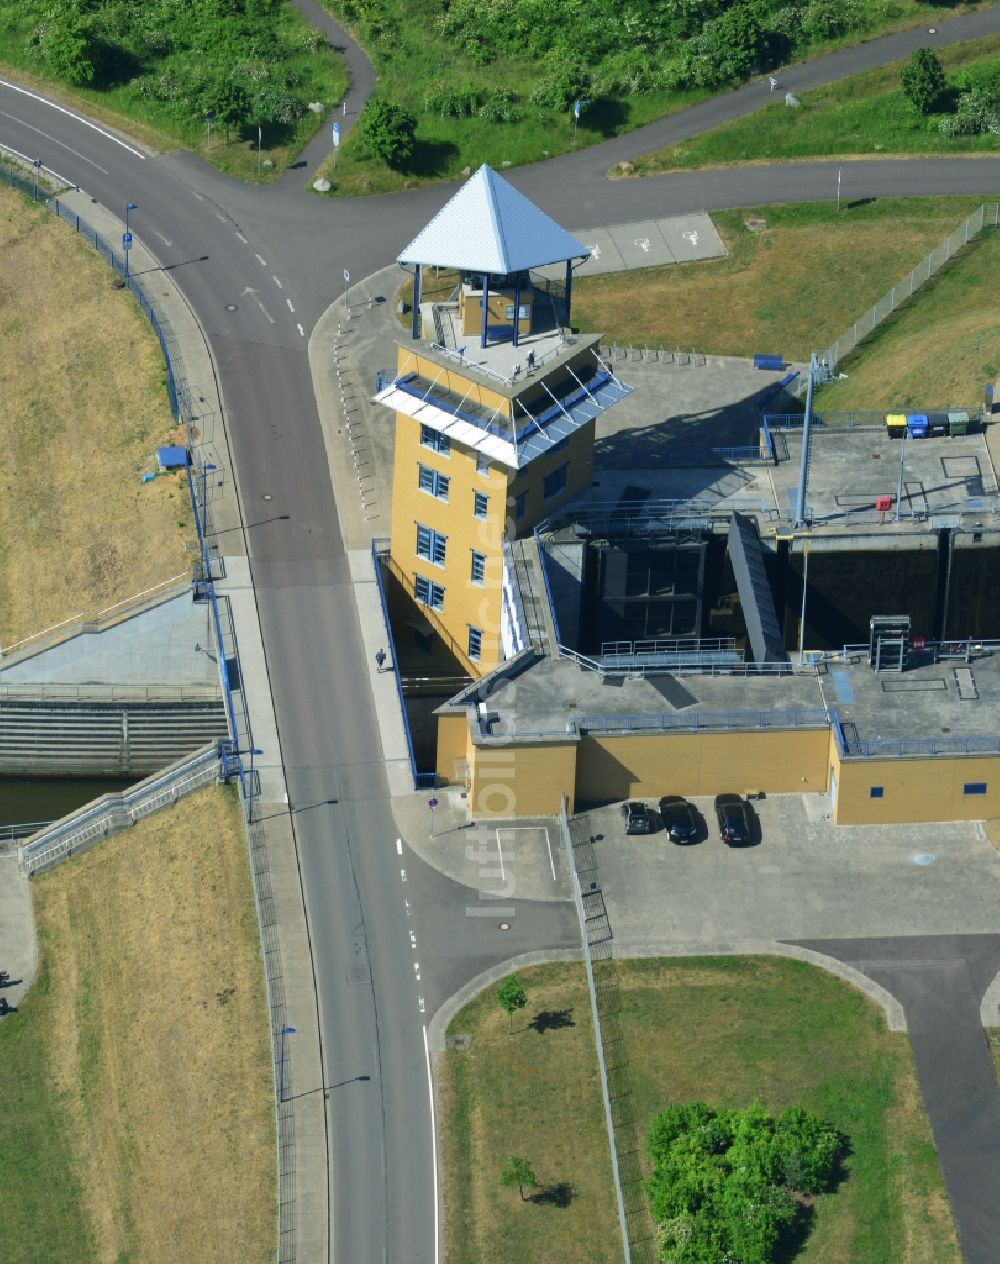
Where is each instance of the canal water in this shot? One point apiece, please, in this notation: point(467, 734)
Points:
point(46, 799)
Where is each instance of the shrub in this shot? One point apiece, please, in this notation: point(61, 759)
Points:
point(385, 131)
point(923, 81)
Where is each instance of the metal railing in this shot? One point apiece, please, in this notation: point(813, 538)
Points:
point(705, 721)
point(859, 419)
point(987, 216)
point(380, 553)
point(22, 829)
point(93, 823)
point(544, 566)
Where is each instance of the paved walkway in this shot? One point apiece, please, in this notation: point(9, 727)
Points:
point(18, 947)
point(940, 981)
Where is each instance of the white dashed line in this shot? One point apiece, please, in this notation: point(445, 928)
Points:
point(413, 939)
point(420, 1003)
point(260, 259)
point(301, 330)
point(277, 282)
point(399, 846)
point(289, 302)
point(197, 195)
point(220, 217)
point(55, 141)
point(69, 114)
point(402, 875)
point(241, 237)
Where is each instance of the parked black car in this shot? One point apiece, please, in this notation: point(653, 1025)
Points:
point(638, 818)
point(735, 820)
point(680, 819)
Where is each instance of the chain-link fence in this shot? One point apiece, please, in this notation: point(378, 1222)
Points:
point(987, 216)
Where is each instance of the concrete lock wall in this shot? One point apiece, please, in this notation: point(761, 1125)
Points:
point(522, 780)
point(915, 789)
point(647, 766)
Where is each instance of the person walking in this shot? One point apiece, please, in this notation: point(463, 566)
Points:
point(380, 659)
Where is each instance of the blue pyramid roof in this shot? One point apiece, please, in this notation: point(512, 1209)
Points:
point(488, 226)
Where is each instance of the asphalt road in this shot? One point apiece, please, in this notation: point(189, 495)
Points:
point(258, 267)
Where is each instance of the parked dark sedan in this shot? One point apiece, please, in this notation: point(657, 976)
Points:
point(638, 818)
point(680, 819)
point(735, 820)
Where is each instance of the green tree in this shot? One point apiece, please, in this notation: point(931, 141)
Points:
point(67, 45)
point(923, 81)
point(512, 996)
point(385, 131)
point(518, 1172)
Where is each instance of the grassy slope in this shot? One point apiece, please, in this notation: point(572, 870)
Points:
point(940, 350)
point(412, 64)
point(137, 1096)
point(866, 114)
point(84, 408)
point(718, 1030)
point(323, 78)
point(791, 288)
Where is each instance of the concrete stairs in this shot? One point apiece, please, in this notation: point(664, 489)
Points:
point(534, 598)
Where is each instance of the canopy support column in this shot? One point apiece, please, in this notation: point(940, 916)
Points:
point(486, 309)
point(569, 291)
point(517, 309)
point(415, 319)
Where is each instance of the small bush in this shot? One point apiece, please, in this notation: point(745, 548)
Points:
point(923, 81)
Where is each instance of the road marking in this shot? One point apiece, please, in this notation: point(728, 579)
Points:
point(413, 939)
point(166, 240)
point(197, 195)
point(277, 282)
point(220, 217)
point(24, 157)
point(406, 905)
point(416, 970)
point(503, 876)
point(399, 846)
point(430, 1090)
point(260, 259)
point(256, 299)
point(402, 875)
point(289, 302)
point(55, 141)
point(69, 114)
point(548, 844)
point(420, 1004)
point(301, 330)
point(241, 237)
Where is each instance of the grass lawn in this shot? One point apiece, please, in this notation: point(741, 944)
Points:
point(791, 287)
point(866, 114)
point(939, 350)
point(137, 1097)
point(414, 59)
point(278, 45)
point(719, 1030)
point(84, 409)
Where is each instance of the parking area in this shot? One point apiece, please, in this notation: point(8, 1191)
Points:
point(805, 879)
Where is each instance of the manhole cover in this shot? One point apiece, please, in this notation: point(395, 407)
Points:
point(923, 858)
point(505, 925)
point(231, 307)
point(267, 495)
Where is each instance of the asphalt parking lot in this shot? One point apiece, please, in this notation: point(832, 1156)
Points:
point(805, 879)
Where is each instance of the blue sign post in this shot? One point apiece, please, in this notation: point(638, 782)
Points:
point(127, 236)
point(432, 804)
point(577, 111)
point(336, 141)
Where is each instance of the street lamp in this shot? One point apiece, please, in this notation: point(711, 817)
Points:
point(205, 469)
point(127, 238)
point(285, 1031)
point(258, 150)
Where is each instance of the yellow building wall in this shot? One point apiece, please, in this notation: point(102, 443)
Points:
point(579, 453)
point(465, 603)
point(650, 765)
point(529, 780)
point(914, 789)
point(453, 742)
point(470, 311)
point(408, 361)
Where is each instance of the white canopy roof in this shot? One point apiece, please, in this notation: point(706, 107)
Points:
point(489, 227)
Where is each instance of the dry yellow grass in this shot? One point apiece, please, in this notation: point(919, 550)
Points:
point(83, 410)
point(155, 1029)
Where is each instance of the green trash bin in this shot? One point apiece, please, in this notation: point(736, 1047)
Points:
point(959, 423)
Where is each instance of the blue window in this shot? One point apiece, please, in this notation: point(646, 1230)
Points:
point(430, 438)
point(478, 567)
point(431, 545)
point(428, 593)
point(475, 644)
point(482, 463)
point(433, 483)
point(520, 504)
point(480, 504)
point(975, 787)
point(877, 792)
point(555, 482)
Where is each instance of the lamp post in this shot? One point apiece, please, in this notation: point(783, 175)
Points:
point(258, 150)
point(127, 239)
point(37, 165)
point(205, 469)
point(285, 1031)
